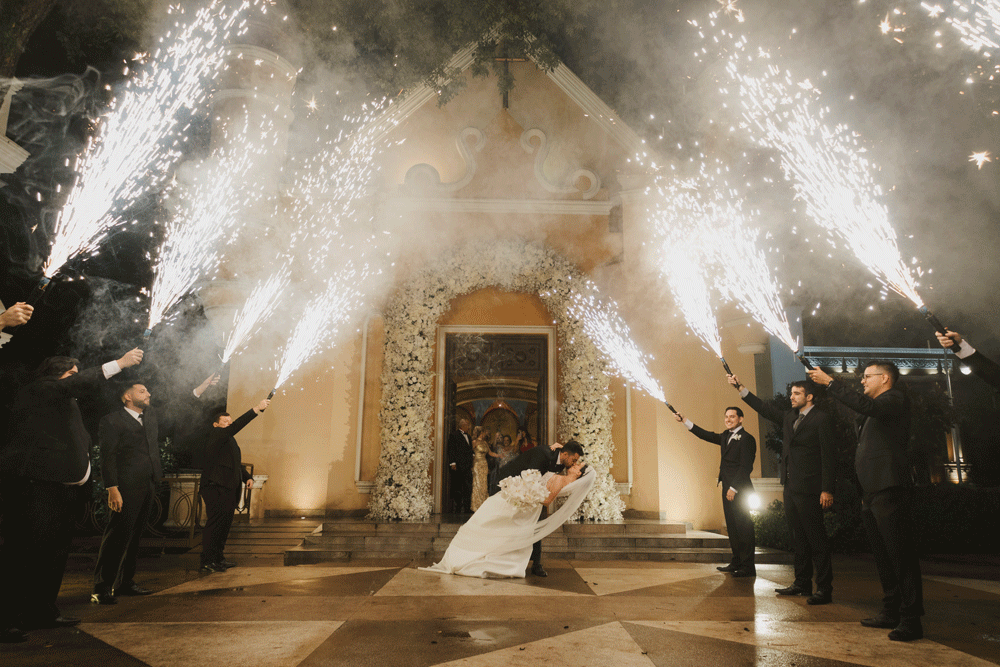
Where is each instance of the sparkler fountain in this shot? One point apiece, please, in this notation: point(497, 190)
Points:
point(612, 336)
point(825, 163)
point(128, 157)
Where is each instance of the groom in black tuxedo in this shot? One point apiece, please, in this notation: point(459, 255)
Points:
point(543, 459)
point(130, 466)
point(739, 449)
point(808, 475)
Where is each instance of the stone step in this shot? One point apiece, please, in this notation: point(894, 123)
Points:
point(357, 527)
point(308, 555)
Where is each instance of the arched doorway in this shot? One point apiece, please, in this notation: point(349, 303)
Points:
point(500, 377)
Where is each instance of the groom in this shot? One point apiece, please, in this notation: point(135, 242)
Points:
point(543, 460)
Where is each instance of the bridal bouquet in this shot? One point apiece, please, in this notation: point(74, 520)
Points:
point(526, 491)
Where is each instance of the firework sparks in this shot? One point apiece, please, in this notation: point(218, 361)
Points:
point(129, 155)
point(980, 158)
point(613, 338)
point(207, 217)
point(248, 320)
point(825, 163)
point(319, 324)
point(678, 218)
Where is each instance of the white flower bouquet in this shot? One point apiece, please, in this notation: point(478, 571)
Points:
point(526, 491)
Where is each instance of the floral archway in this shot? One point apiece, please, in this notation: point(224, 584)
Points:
point(402, 489)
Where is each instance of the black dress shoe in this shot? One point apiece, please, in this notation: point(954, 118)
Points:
point(13, 636)
point(539, 571)
point(793, 590)
point(227, 563)
point(727, 568)
point(908, 630)
point(745, 573)
point(820, 597)
point(132, 589)
point(209, 568)
point(883, 620)
point(103, 598)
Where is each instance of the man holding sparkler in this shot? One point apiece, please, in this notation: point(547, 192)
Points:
point(222, 480)
point(985, 368)
point(808, 475)
point(130, 465)
point(45, 463)
point(739, 449)
point(887, 493)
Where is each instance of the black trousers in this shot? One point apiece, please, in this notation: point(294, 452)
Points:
point(888, 520)
point(742, 537)
point(116, 560)
point(461, 490)
point(812, 548)
point(536, 548)
point(37, 530)
point(220, 504)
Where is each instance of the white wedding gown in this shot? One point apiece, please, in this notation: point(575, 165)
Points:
point(496, 541)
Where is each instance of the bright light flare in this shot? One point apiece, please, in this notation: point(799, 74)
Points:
point(980, 158)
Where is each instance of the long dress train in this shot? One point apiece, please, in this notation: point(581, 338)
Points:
point(496, 541)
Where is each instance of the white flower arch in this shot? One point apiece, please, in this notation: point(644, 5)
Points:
point(402, 490)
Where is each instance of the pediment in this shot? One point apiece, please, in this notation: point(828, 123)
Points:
point(556, 142)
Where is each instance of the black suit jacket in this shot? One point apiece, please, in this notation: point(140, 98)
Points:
point(808, 452)
point(223, 458)
point(542, 459)
point(882, 459)
point(460, 451)
point(985, 368)
point(130, 451)
point(49, 441)
point(738, 453)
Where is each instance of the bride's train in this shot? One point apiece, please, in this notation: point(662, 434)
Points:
point(496, 541)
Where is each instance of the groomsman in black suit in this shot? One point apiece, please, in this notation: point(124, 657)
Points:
point(739, 450)
point(460, 457)
point(555, 458)
point(130, 467)
point(980, 365)
point(883, 468)
point(222, 481)
point(45, 463)
point(808, 474)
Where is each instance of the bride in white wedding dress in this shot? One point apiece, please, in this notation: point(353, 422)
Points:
point(496, 541)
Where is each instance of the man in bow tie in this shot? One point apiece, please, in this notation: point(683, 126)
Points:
point(739, 450)
point(808, 475)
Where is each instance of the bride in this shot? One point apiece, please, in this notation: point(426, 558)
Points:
point(496, 541)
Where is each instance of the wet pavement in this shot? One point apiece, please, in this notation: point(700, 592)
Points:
point(388, 613)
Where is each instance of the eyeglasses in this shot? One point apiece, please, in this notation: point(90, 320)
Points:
point(870, 375)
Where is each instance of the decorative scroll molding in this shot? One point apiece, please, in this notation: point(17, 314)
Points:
point(542, 153)
point(529, 206)
point(423, 177)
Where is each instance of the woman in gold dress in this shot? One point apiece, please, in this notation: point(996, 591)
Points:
point(480, 448)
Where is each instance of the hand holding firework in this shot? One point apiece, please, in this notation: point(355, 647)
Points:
point(16, 315)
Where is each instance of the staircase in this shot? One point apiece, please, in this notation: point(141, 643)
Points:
point(634, 539)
